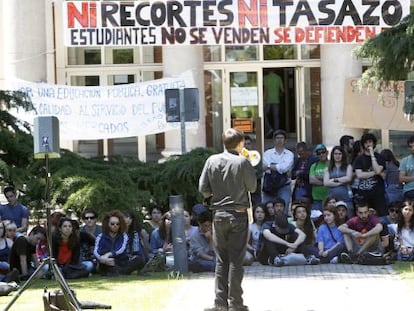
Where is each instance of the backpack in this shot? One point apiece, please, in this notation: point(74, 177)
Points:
point(373, 258)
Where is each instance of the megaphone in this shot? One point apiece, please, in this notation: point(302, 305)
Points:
point(252, 155)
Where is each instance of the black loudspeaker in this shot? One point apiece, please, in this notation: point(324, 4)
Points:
point(191, 105)
point(46, 137)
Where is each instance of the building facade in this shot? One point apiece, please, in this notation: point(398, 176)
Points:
point(229, 79)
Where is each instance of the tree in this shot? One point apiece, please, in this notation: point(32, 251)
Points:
point(391, 54)
point(16, 142)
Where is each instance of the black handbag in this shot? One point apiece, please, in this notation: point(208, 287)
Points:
point(71, 271)
point(273, 181)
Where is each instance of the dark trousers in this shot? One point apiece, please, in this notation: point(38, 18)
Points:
point(230, 232)
point(271, 249)
point(272, 115)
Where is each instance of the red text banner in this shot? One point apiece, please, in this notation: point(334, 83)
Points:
point(228, 22)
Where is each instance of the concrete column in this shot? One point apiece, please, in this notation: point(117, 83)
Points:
point(24, 46)
point(7, 43)
point(176, 60)
point(337, 64)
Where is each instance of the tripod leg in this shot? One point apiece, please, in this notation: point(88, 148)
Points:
point(26, 284)
point(67, 292)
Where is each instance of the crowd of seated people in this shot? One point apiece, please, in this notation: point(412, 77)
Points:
point(340, 205)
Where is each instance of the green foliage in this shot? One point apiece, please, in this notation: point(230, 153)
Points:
point(16, 143)
point(120, 183)
point(391, 54)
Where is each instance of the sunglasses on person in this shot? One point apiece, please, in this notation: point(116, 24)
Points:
point(89, 217)
point(114, 223)
point(320, 152)
point(393, 210)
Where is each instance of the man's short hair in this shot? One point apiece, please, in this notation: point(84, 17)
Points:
point(279, 132)
point(344, 140)
point(9, 189)
point(280, 201)
point(204, 217)
point(89, 210)
point(38, 229)
point(231, 138)
point(410, 140)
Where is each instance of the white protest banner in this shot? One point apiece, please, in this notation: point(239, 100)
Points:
point(101, 112)
point(227, 22)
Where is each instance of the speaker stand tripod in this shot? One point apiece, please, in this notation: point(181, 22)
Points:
point(70, 298)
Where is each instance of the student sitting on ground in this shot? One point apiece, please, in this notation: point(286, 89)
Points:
point(137, 238)
point(161, 238)
point(330, 240)
point(404, 238)
point(361, 234)
point(302, 221)
point(282, 244)
point(111, 246)
point(66, 249)
point(202, 256)
point(254, 244)
point(23, 252)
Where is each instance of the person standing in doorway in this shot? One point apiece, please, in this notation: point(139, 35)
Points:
point(272, 89)
point(226, 179)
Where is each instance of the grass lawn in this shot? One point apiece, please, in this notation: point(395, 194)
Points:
point(122, 293)
point(406, 271)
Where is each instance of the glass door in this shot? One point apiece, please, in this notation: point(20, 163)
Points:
point(244, 111)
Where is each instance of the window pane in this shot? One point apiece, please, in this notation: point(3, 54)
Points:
point(311, 51)
point(212, 53)
point(152, 54)
point(123, 56)
point(120, 79)
point(271, 52)
point(83, 56)
point(241, 53)
point(84, 80)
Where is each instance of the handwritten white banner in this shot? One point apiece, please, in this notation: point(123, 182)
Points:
point(103, 112)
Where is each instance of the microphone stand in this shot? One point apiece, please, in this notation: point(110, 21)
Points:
point(70, 298)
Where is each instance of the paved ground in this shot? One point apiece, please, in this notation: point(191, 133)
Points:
point(304, 288)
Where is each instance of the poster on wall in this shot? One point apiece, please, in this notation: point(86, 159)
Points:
point(368, 109)
point(227, 22)
point(102, 112)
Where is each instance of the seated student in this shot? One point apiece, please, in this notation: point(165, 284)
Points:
point(385, 237)
point(281, 239)
point(196, 210)
point(66, 249)
point(137, 238)
point(404, 238)
point(111, 246)
point(254, 244)
point(90, 225)
point(330, 240)
point(189, 229)
point(5, 247)
point(23, 252)
point(11, 230)
point(361, 234)
point(302, 221)
point(161, 238)
point(394, 212)
point(270, 209)
point(202, 256)
point(342, 209)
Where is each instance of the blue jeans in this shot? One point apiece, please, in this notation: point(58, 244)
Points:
point(285, 193)
point(230, 232)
